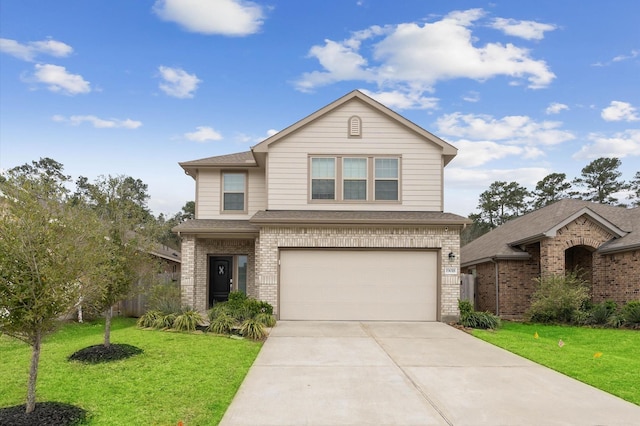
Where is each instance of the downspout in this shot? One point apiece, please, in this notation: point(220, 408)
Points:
point(497, 287)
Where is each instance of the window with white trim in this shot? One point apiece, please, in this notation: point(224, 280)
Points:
point(234, 191)
point(323, 178)
point(386, 177)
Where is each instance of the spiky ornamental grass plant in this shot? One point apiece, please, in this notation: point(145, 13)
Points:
point(187, 320)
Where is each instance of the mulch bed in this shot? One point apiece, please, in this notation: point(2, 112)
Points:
point(100, 353)
point(45, 414)
point(58, 413)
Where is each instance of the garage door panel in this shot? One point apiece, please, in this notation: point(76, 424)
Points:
point(358, 285)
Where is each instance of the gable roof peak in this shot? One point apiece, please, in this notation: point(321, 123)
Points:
point(448, 150)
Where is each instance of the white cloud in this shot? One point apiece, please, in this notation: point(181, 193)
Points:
point(556, 108)
point(620, 111)
point(622, 144)
point(177, 82)
point(480, 179)
point(244, 138)
point(412, 58)
point(203, 134)
point(472, 96)
point(634, 53)
point(477, 153)
point(397, 99)
point(515, 129)
point(59, 80)
point(529, 30)
point(225, 17)
point(99, 123)
point(28, 51)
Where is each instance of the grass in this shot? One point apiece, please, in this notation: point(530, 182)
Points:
point(180, 377)
point(607, 359)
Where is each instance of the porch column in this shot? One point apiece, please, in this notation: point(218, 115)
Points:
point(188, 270)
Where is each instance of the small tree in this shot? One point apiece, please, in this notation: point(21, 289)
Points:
point(46, 245)
point(501, 202)
point(120, 203)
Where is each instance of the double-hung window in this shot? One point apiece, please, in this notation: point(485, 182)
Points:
point(354, 178)
point(234, 191)
point(350, 179)
point(323, 178)
point(386, 179)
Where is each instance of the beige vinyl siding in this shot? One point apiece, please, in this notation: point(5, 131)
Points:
point(421, 161)
point(209, 195)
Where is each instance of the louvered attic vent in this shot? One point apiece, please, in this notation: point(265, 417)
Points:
point(355, 127)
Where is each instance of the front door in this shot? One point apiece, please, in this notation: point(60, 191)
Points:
point(220, 278)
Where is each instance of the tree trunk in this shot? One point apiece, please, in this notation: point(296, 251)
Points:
point(33, 373)
point(107, 327)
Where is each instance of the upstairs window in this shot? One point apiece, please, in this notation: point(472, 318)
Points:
point(323, 178)
point(234, 192)
point(386, 179)
point(354, 178)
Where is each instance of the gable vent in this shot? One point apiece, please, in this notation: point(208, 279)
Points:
point(355, 126)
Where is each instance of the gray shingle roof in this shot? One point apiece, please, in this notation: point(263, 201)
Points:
point(211, 226)
point(533, 226)
point(312, 217)
point(357, 217)
point(236, 159)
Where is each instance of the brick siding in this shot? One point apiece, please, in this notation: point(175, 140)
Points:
point(440, 238)
point(613, 277)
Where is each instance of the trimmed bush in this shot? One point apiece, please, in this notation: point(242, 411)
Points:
point(558, 298)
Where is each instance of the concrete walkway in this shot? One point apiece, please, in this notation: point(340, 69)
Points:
point(378, 373)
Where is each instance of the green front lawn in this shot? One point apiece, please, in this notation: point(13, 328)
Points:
point(179, 377)
point(608, 359)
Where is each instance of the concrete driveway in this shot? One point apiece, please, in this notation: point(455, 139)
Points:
point(379, 373)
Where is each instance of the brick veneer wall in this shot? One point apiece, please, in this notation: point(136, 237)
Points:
point(613, 277)
point(195, 274)
point(618, 278)
point(274, 237)
point(516, 283)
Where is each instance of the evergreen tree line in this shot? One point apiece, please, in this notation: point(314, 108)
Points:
point(600, 182)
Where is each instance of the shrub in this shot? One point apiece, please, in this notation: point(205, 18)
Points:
point(187, 320)
point(470, 318)
point(164, 321)
point(164, 298)
point(149, 318)
point(558, 298)
point(600, 313)
point(631, 313)
point(268, 320)
point(253, 329)
point(222, 324)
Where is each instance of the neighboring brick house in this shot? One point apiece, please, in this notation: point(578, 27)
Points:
point(337, 217)
point(602, 241)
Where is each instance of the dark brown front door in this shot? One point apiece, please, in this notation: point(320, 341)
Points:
point(220, 268)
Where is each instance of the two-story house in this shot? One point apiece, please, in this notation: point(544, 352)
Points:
point(337, 217)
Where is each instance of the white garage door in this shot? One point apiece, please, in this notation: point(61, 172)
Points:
point(358, 285)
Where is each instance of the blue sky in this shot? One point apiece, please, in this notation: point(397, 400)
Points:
point(523, 89)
